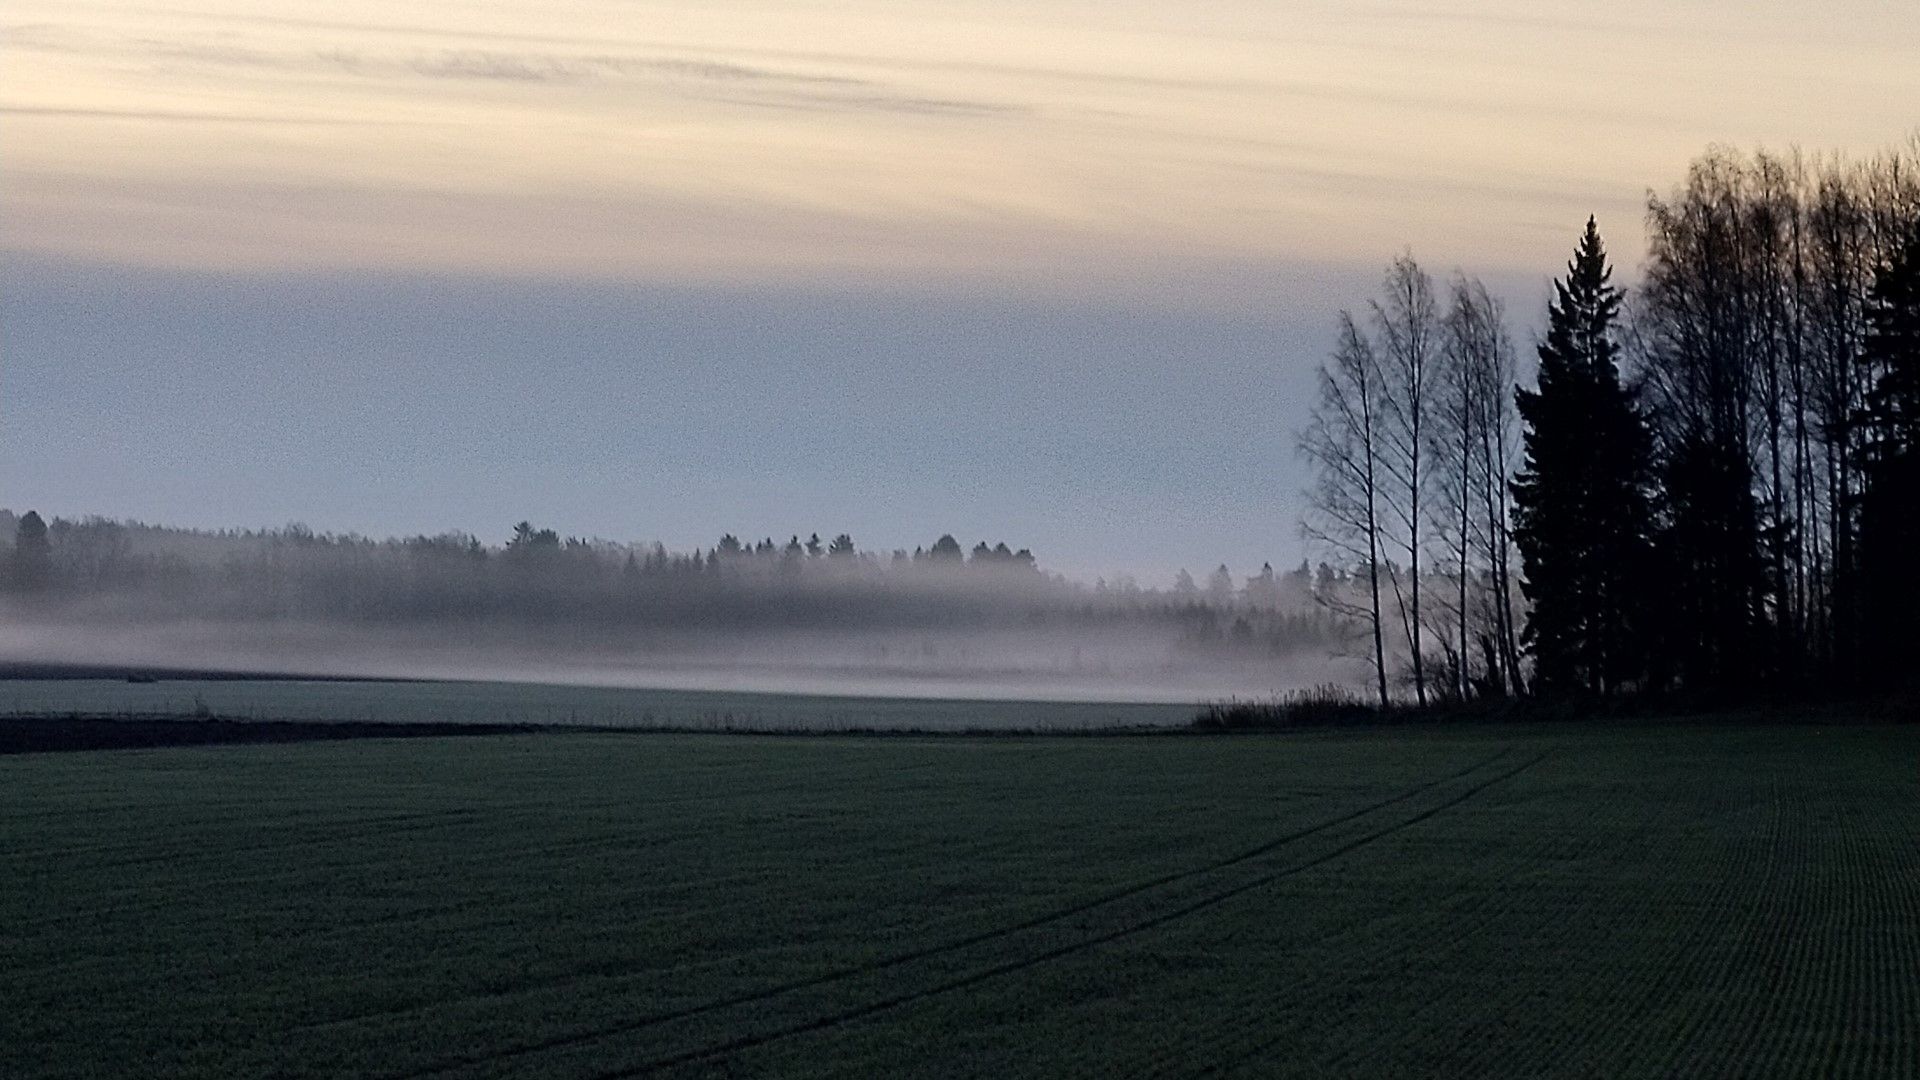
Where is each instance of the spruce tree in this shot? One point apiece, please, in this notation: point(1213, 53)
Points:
point(1582, 498)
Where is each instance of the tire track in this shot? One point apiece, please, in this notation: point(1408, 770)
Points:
point(1455, 923)
point(748, 1042)
point(1453, 948)
point(1614, 995)
point(913, 955)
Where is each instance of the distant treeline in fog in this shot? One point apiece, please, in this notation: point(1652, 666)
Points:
point(96, 571)
point(1710, 483)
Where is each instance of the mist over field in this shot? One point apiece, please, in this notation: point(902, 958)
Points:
point(807, 616)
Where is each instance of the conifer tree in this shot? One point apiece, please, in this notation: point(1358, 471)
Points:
point(1582, 498)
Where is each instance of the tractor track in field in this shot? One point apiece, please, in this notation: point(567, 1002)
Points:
point(748, 1042)
point(912, 955)
point(986, 937)
point(1447, 927)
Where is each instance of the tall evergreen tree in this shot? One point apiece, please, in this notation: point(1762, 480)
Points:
point(1582, 499)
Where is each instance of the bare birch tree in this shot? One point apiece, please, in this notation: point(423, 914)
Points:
point(1406, 319)
point(1454, 432)
point(1342, 440)
point(1498, 459)
point(1471, 424)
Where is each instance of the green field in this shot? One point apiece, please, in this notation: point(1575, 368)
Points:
point(1656, 901)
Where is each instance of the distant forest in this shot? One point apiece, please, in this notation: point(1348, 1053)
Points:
point(644, 597)
point(1710, 483)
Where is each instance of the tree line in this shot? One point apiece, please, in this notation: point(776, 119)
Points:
point(1712, 483)
point(100, 570)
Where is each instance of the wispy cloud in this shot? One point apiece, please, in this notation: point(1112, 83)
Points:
point(186, 117)
point(730, 83)
point(722, 81)
point(891, 103)
point(1431, 12)
point(500, 67)
point(955, 137)
point(838, 58)
point(224, 54)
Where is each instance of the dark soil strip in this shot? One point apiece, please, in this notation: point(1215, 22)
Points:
point(51, 734)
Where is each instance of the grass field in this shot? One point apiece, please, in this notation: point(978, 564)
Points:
point(1659, 901)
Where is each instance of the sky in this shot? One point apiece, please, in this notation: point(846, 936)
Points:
point(1056, 273)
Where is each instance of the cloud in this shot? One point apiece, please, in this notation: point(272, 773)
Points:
point(869, 61)
point(42, 37)
point(716, 80)
point(502, 67)
point(1432, 13)
point(875, 102)
point(718, 71)
point(207, 52)
point(541, 66)
point(179, 116)
point(729, 83)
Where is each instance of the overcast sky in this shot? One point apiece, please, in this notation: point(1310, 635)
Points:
point(1055, 273)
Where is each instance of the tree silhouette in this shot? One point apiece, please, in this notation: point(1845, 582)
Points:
point(1472, 434)
point(1890, 506)
point(1345, 506)
point(31, 564)
point(1582, 498)
point(1706, 350)
point(528, 541)
point(1406, 326)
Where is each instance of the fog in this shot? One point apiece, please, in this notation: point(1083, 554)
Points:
point(803, 615)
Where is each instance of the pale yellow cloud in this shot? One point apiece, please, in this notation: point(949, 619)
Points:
point(1031, 143)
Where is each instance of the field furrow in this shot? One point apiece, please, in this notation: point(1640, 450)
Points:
point(1596, 901)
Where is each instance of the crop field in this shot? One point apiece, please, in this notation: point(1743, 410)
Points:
point(1496, 901)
